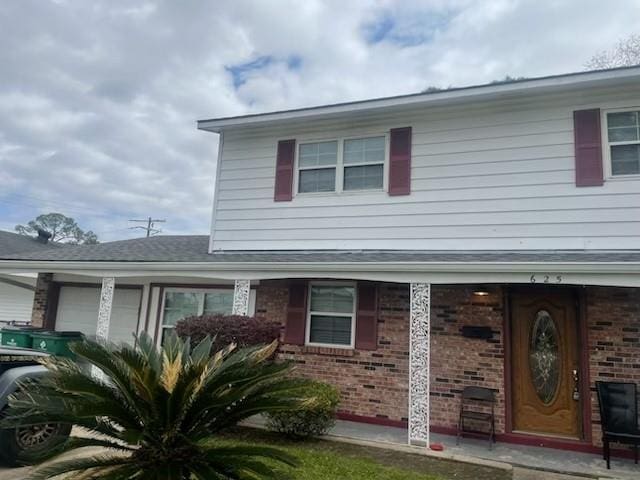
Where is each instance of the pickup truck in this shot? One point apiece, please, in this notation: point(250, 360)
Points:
point(16, 365)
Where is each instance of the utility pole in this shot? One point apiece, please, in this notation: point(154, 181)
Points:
point(150, 224)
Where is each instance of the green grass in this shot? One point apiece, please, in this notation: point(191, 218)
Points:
point(328, 460)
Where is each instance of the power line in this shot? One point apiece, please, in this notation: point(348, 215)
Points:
point(150, 224)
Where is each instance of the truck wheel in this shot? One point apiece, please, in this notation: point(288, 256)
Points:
point(19, 443)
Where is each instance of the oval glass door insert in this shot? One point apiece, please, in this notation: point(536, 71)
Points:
point(544, 356)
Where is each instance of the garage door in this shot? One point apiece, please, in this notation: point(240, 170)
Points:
point(78, 311)
point(15, 303)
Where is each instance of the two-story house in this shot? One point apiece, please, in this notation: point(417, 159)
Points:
point(410, 246)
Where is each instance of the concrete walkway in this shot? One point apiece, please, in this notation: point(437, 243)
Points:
point(544, 460)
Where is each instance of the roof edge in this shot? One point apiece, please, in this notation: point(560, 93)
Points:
point(487, 90)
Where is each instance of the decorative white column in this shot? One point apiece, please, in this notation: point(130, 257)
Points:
point(419, 363)
point(241, 293)
point(104, 312)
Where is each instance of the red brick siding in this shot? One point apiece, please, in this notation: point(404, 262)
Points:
point(372, 383)
point(41, 299)
point(613, 322)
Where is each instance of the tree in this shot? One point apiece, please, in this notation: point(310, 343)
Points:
point(158, 412)
point(625, 53)
point(63, 229)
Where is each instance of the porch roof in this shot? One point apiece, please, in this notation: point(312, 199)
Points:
point(194, 249)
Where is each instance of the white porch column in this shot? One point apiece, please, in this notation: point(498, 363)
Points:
point(104, 312)
point(241, 297)
point(419, 363)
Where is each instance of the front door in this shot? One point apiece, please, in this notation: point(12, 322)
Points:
point(544, 346)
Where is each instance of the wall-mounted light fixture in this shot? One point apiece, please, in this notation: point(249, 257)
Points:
point(480, 290)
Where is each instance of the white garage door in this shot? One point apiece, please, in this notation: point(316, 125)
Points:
point(15, 303)
point(78, 311)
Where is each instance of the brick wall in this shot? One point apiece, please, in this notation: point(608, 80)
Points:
point(375, 383)
point(41, 299)
point(613, 322)
point(457, 361)
point(372, 383)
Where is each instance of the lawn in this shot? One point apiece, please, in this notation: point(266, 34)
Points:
point(328, 460)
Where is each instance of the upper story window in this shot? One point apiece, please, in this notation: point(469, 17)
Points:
point(331, 316)
point(342, 165)
point(623, 136)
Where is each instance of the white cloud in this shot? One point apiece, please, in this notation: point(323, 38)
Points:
point(98, 100)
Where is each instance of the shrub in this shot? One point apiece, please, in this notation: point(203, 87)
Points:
point(309, 420)
point(226, 329)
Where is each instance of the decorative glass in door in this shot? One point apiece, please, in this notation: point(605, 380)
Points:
point(544, 356)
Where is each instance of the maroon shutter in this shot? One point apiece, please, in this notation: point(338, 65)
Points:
point(284, 171)
point(367, 317)
point(588, 146)
point(294, 330)
point(400, 161)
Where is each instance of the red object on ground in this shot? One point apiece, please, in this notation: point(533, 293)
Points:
point(437, 447)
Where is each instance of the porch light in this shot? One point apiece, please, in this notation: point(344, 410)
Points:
point(480, 291)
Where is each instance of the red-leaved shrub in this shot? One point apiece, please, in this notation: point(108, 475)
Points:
point(226, 329)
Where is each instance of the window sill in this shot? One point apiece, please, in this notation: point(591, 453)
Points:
point(337, 194)
point(622, 178)
point(333, 351)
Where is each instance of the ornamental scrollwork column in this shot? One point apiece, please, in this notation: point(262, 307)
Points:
point(241, 293)
point(419, 363)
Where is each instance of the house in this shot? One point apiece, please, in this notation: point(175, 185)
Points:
point(410, 246)
point(16, 291)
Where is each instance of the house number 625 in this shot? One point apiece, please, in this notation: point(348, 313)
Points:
point(545, 278)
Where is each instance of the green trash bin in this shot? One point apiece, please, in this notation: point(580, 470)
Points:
point(55, 343)
point(18, 336)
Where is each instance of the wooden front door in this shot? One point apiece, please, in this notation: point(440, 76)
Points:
point(544, 349)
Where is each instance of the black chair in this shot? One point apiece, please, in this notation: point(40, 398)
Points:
point(472, 398)
point(618, 416)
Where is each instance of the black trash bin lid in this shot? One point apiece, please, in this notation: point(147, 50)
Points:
point(62, 334)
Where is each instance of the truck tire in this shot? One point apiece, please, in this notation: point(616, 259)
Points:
point(19, 443)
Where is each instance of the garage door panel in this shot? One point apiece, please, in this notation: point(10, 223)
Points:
point(78, 311)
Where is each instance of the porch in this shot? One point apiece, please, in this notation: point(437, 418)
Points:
point(472, 450)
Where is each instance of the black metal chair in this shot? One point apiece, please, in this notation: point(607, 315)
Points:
point(471, 399)
point(618, 416)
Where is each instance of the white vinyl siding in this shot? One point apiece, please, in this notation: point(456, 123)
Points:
point(623, 141)
point(499, 176)
point(331, 315)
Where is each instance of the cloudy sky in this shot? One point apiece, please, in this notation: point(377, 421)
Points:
point(98, 99)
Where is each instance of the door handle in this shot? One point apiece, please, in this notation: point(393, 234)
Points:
point(576, 385)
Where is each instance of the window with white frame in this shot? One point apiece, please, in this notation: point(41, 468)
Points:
point(623, 136)
point(342, 165)
point(181, 303)
point(331, 315)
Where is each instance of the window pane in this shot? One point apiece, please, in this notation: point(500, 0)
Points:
point(332, 330)
point(362, 150)
point(364, 177)
point(178, 305)
point(318, 154)
point(626, 134)
point(332, 299)
point(319, 180)
point(218, 302)
point(625, 159)
point(622, 119)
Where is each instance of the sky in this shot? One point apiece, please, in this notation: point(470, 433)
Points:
point(99, 99)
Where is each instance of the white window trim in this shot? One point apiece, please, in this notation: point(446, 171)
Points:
point(606, 145)
point(340, 166)
point(251, 312)
point(307, 334)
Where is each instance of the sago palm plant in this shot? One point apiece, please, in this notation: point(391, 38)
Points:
point(156, 412)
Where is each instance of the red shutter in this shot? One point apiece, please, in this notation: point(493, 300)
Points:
point(400, 161)
point(284, 171)
point(588, 146)
point(367, 317)
point(294, 330)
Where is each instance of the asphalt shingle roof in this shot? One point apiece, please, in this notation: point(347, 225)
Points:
point(12, 243)
point(193, 248)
